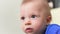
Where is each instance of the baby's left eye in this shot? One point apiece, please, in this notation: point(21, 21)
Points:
point(33, 16)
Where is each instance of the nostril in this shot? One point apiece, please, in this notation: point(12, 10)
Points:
point(28, 24)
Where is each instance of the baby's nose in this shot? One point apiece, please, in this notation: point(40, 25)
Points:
point(28, 23)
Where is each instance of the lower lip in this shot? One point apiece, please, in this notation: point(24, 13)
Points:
point(29, 30)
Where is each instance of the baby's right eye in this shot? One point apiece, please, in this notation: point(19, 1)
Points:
point(22, 18)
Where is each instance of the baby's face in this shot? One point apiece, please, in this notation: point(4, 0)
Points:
point(33, 18)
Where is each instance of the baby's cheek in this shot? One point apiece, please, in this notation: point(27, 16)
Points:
point(22, 26)
point(36, 23)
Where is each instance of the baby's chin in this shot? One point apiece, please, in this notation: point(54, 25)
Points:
point(30, 33)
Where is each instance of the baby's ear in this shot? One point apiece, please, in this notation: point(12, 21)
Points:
point(48, 19)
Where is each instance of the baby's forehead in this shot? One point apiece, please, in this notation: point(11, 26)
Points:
point(30, 7)
point(33, 6)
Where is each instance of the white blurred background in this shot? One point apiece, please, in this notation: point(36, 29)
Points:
point(9, 17)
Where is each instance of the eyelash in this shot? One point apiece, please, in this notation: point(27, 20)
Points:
point(33, 16)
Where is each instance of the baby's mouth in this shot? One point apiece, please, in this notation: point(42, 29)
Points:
point(28, 30)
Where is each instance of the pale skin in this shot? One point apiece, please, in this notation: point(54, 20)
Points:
point(33, 18)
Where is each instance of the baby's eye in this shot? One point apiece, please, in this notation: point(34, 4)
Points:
point(33, 16)
point(22, 18)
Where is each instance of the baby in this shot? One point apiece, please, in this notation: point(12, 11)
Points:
point(35, 17)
